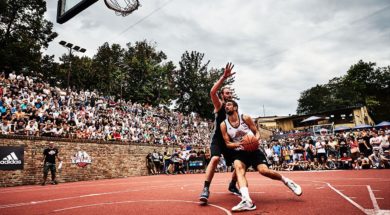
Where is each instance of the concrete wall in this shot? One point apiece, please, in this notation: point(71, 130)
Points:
point(109, 160)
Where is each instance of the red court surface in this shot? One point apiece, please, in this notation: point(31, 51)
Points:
point(332, 192)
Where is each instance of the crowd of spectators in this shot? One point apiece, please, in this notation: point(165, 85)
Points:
point(355, 149)
point(179, 162)
point(32, 107)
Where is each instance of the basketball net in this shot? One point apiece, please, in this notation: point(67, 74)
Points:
point(124, 8)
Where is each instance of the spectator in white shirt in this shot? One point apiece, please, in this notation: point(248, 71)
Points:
point(385, 145)
point(31, 128)
point(6, 128)
point(377, 160)
point(320, 148)
point(375, 140)
point(362, 162)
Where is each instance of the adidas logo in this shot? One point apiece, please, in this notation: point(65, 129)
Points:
point(11, 159)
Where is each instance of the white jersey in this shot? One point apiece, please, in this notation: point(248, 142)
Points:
point(237, 133)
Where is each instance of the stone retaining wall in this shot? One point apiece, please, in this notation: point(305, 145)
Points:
point(109, 160)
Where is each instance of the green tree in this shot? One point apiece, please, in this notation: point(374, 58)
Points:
point(382, 110)
point(50, 70)
point(193, 82)
point(313, 100)
point(362, 85)
point(82, 71)
point(149, 75)
point(23, 34)
point(104, 68)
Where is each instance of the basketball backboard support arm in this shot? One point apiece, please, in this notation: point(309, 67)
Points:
point(67, 9)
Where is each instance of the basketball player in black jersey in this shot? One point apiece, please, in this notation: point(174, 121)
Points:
point(218, 145)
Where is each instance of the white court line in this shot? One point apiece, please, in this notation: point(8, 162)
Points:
point(89, 195)
point(92, 194)
point(103, 182)
point(365, 211)
point(372, 196)
point(124, 202)
point(316, 171)
point(69, 185)
point(65, 185)
point(347, 198)
point(374, 180)
point(76, 197)
point(380, 212)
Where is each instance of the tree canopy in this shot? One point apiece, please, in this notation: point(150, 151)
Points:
point(193, 81)
point(364, 84)
point(24, 32)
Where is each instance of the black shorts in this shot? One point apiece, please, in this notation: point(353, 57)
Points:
point(218, 147)
point(251, 158)
point(49, 166)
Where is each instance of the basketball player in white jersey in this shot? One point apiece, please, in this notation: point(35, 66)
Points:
point(233, 129)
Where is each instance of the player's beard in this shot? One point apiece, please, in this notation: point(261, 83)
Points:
point(229, 113)
point(225, 98)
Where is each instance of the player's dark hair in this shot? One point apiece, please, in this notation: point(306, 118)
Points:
point(232, 101)
point(221, 92)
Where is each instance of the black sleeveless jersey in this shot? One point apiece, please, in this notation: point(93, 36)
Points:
point(220, 116)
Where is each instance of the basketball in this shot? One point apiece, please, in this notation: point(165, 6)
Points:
point(250, 143)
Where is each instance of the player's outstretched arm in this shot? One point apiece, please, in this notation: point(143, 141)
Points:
point(214, 90)
point(248, 120)
point(226, 138)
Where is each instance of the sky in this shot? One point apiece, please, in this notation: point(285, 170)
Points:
point(279, 48)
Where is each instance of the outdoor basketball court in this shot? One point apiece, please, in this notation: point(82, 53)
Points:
point(332, 192)
point(328, 192)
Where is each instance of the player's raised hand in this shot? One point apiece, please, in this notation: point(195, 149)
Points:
point(227, 72)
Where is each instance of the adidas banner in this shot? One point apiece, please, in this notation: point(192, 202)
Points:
point(11, 158)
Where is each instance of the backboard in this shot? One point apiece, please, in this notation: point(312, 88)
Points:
point(67, 9)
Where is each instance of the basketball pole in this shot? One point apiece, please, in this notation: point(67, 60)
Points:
point(263, 111)
point(69, 70)
point(71, 47)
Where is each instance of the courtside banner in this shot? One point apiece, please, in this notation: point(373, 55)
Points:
point(11, 157)
point(196, 163)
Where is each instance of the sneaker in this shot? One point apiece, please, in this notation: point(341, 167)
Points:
point(54, 182)
point(232, 188)
point(297, 190)
point(244, 205)
point(204, 196)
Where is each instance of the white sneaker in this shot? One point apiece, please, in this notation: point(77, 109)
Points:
point(294, 187)
point(244, 205)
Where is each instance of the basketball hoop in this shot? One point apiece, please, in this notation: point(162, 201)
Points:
point(122, 9)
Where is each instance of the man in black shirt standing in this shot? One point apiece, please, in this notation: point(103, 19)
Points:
point(49, 163)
